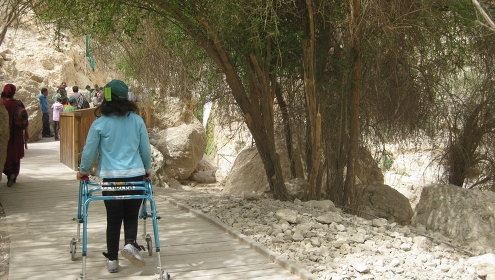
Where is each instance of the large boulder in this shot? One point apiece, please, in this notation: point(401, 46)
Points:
point(465, 215)
point(247, 175)
point(383, 201)
point(205, 172)
point(182, 148)
point(28, 94)
point(157, 162)
point(179, 136)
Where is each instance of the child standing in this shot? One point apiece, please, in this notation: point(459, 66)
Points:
point(120, 140)
point(57, 107)
point(72, 105)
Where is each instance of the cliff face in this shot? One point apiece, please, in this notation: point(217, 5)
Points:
point(31, 60)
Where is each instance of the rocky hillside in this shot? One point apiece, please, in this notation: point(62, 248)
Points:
point(31, 59)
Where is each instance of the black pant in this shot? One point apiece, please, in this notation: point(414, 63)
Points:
point(46, 125)
point(56, 128)
point(121, 211)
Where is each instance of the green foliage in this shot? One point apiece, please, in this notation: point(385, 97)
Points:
point(210, 143)
point(99, 18)
point(413, 55)
point(387, 160)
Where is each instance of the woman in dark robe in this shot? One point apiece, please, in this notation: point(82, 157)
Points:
point(17, 139)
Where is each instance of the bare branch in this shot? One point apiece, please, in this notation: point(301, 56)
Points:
point(485, 15)
point(10, 12)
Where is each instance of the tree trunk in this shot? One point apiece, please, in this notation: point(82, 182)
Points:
point(257, 107)
point(350, 196)
point(462, 152)
point(314, 125)
point(336, 161)
point(262, 123)
point(287, 129)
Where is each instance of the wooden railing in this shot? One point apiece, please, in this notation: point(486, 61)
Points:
point(74, 127)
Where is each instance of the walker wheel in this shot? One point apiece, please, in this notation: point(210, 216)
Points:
point(164, 275)
point(149, 245)
point(73, 249)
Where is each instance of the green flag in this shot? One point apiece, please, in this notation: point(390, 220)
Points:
point(89, 55)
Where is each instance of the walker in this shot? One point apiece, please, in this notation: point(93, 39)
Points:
point(88, 194)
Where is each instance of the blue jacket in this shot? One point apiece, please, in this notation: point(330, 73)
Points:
point(122, 144)
point(44, 103)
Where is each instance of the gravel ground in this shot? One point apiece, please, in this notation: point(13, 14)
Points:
point(341, 248)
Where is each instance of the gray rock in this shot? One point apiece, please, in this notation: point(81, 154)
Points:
point(463, 215)
point(353, 248)
point(379, 222)
point(287, 215)
point(384, 202)
point(321, 204)
point(361, 268)
point(297, 236)
point(329, 217)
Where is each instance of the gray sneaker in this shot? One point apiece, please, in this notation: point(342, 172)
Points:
point(132, 254)
point(113, 266)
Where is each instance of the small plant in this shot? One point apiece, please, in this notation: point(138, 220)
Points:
point(387, 160)
point(403, 173)
point(210, 144)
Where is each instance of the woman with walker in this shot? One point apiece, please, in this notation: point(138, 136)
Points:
point(120, 138)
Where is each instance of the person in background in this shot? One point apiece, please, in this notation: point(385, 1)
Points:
point(65, 102)
point(94, 100)
point(61, 92)
point(56, 96)
point(62, 87)
point(57, 107)
point(87, 93)
point(4, 141)
point(95, 89)
point(82, 103)
point(71, 105)
point(120, 139)
point(45, 113)
point(17, 137)
point(99, 94)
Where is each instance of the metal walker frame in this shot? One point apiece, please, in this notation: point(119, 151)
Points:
point(91, 191)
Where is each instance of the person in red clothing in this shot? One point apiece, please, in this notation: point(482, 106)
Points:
point(17, 139)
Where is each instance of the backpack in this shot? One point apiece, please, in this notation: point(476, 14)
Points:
point(20, 117)
point(82, 103)
point(85, 104)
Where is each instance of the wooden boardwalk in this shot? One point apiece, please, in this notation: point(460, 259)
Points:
point(40, 207)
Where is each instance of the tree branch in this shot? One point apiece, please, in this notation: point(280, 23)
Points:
point(485, 15)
